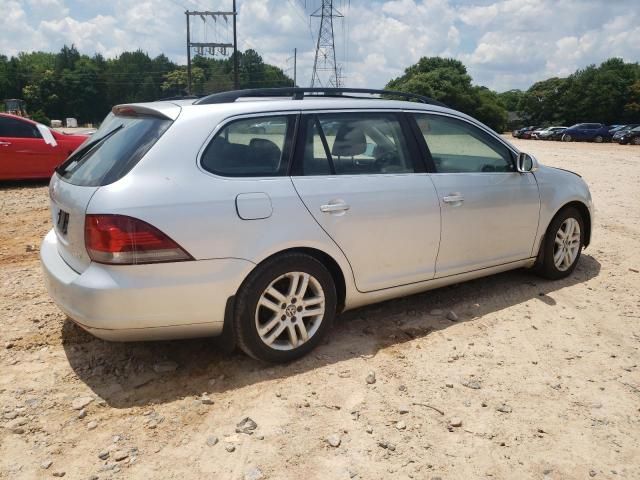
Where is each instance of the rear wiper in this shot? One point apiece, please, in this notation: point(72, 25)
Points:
point(86, 149)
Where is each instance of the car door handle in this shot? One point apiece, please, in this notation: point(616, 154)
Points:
point(453, 198)
point(334, 207)
point(5, 144)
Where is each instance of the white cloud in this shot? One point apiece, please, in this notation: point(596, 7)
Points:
point(505, 44)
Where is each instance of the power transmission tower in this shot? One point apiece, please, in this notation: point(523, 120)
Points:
point(212, 48)
point(325, 64)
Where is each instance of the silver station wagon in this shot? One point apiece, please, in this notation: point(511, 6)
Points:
point(259, 215)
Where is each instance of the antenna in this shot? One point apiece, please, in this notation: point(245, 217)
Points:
point(325, 64)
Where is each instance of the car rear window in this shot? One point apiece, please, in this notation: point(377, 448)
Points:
point(113, 150)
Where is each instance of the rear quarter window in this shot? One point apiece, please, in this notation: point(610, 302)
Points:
point(250, 147)
point(113, 150)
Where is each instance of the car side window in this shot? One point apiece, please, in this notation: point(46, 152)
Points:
point(251, 147)
point(457, 146)
point(355, 144)
point(12, 128)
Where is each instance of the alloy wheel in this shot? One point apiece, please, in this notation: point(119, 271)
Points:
point(567, 244)
point(290, 311)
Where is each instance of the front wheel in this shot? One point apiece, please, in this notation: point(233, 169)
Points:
point(636, 141)
point(285, 308)
point(599, 139)
point(562, 244)
point(567, 138)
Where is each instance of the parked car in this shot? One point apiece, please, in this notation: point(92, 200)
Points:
point(630, 136)
point(269, 127)
point(547, 133)
point(534, 135)
point(174, 222)
point(524, 132)
point(622, 131)
point(557, 134)
point(588, 132)
point(32, 150)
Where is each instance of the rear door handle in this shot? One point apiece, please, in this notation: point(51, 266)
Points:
point(334, 207)
point(5, 144)
point(453, 198)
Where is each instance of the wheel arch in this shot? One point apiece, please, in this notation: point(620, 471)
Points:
point(586, 218)
point(327, 260)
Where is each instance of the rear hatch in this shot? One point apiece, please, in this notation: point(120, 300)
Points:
point(124, 137)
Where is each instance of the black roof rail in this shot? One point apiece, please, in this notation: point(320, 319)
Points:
point(298, 93)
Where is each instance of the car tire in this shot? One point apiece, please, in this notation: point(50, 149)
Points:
point(271, 320)
point(636, 141)
point(598, 139)
point(566, 138)
point(559, 253)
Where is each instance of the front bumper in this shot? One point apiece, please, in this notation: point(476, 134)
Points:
point(143, 302)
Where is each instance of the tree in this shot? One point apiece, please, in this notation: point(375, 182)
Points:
point(511, 99)
point(632, 107)
point(602, 93)
point(176, 81)
point(540, 103)
point(71, 84)
point(447, 80)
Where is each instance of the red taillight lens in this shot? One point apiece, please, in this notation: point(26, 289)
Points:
point(122, 240)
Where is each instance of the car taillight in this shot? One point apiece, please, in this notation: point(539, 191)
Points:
point(123, 240)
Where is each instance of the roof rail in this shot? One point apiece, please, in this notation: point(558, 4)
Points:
point(298, 93)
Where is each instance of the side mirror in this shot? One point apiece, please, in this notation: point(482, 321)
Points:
point(526, 163)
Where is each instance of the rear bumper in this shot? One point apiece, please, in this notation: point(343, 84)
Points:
point(144, 302)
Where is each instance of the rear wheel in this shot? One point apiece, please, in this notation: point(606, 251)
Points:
point(285, 308)
point(562, 244)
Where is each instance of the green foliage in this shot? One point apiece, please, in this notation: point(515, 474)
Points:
point(609, 94)
point(70, 84)
point(540, 103)
point(632, 107)
point(40, 117)
point(511, 99)
point(447, 80)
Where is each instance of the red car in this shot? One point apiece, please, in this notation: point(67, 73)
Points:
point(32, 150)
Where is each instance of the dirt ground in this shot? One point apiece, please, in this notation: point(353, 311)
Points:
point(543, 378)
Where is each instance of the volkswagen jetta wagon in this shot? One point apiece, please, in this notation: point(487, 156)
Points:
point(260, 215)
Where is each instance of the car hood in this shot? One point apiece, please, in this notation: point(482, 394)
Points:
point(563, 170)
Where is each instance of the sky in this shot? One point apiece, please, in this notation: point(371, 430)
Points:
point(504, 44)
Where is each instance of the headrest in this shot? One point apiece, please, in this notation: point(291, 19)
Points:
point(265, 151)
point(350, 141)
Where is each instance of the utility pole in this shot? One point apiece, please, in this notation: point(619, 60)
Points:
point(325, 59)
point(236, 81)
point(188, 53)
point(212, 48)
point(295, 69)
